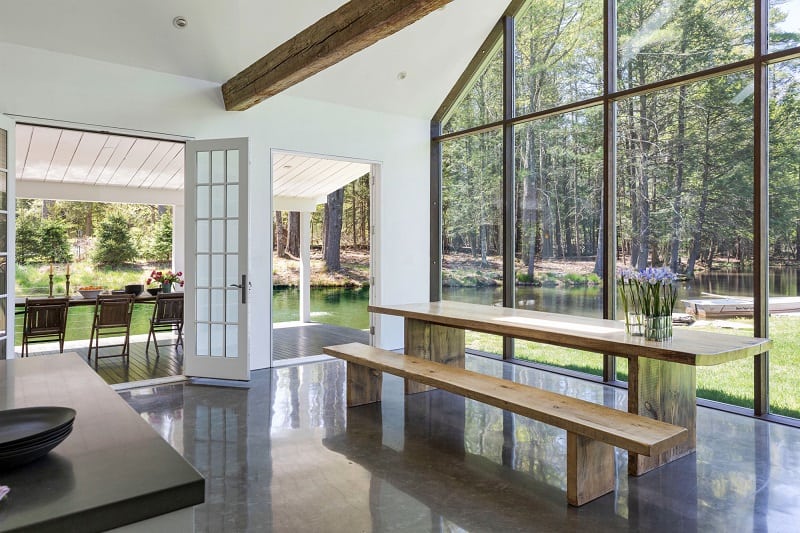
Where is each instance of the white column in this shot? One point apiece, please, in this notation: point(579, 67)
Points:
point(305, 266)
point(178, 238)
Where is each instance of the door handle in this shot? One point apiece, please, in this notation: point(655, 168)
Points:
point(242, 286)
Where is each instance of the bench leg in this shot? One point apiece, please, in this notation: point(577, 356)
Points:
point(363, 385)
point(437, 343)
point(590, 469)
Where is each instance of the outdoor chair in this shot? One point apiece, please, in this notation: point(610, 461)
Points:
point(45, 320)
point(167, 316)
point(112, 318)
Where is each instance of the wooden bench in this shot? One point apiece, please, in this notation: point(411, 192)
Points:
point(592, 430)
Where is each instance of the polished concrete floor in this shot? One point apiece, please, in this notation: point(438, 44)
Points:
point(284, 454)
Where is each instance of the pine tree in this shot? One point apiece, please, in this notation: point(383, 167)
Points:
point(114, 245)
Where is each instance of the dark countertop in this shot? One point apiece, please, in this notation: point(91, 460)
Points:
point(114, 469)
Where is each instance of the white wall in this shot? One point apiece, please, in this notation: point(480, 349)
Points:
point(49, 85)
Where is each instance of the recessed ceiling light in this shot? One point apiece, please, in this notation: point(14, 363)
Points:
point(180, 22)
point(402, 75)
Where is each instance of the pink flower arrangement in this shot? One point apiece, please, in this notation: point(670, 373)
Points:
point(165, 277)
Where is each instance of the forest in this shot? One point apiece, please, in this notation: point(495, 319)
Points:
point(51, 231)
point(341, 222)
point(683, 152)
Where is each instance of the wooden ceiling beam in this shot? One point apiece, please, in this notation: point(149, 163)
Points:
point(351, 28)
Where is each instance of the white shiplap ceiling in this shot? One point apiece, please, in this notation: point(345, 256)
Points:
point(311, 179)
point(55, 155)
point(48, 155)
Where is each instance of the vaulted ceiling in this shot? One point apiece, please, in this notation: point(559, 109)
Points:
point(222, 38)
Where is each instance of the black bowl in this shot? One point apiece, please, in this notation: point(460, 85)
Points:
point(136, 290)
point(153, 291)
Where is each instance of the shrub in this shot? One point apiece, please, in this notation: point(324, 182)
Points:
point(28, 237)
point(162, 245)
point(113, 245)
point(53, 244)
point(523, 277)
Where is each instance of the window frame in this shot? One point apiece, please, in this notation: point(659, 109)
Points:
point(502, 33)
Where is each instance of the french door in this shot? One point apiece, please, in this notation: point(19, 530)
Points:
point(7, 203)
point(215, 311)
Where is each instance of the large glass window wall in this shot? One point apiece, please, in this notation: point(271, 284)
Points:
point(673, 105)
point(472, 222)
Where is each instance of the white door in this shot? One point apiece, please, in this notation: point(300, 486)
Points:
point(215, 312)
point(7, 203)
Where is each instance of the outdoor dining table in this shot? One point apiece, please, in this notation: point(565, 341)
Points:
point(78, 300)
point(661, 374)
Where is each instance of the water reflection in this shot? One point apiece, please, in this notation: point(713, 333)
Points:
point(588, 301)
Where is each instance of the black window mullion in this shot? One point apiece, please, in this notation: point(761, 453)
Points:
point(435, 291)
point(609, 203)
point(761, 205)
point(509, 195)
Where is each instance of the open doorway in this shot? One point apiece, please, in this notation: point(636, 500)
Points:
point(98, 213)
point(321, 264)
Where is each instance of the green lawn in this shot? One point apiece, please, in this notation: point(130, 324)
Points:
point(33, 280)
point(730, 382)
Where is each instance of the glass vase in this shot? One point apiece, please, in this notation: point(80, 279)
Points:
point(634, 324)
point(658, 328)
point(166, 287)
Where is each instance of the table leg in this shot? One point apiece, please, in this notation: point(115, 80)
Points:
point(664, 391)
point(432, 341)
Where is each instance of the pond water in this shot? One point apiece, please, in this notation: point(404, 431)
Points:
point(348, 307)
point(336, 305)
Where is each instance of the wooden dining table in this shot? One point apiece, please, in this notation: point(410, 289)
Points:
point(78, 300)
point(661, 374)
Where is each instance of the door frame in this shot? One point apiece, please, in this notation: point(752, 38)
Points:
point(374, 214)
point(9, 125)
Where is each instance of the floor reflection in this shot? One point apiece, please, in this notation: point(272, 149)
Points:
point(284, 454)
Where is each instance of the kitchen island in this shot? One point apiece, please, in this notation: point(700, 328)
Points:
point(113, 471)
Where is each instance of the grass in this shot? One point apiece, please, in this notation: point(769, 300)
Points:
point(730, 383)
point(32, 280)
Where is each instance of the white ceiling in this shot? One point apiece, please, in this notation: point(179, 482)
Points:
point(223, 37)
point(49, 156)
point(312, 178)
point(55, 155)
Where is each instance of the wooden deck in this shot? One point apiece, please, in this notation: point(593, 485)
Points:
point(114, 371)
point(290, 340)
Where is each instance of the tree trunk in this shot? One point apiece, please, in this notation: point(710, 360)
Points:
point(280, 240)
point(797, 241)
point(697, 236)
point(331, 242)
point(46, 206)
point(89, 223)
point(598, 262)
point(293, 240)
point(643, 189)
point(484, 245)
point(354, 213)
point(675, 243)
